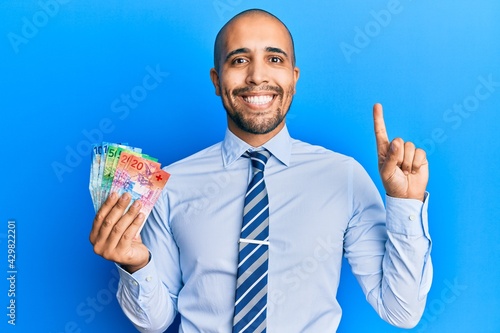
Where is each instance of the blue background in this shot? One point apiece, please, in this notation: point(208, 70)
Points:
point(64, 66)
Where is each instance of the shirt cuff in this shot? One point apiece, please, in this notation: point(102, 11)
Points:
point(407, 216)
point(141, 282)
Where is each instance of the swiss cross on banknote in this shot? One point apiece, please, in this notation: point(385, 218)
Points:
point(120, 168)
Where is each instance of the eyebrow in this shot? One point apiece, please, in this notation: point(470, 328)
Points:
point(276, 50)
point(237, 51)
point(269, 49)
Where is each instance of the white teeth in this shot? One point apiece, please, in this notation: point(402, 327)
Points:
point(259, 100)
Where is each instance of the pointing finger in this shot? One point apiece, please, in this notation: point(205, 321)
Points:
point(380, 131)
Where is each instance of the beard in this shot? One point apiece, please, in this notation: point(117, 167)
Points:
point(260, 122)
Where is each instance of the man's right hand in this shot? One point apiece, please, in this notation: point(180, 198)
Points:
point(113, 233)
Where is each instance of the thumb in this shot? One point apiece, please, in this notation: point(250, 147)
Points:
point(394, 158)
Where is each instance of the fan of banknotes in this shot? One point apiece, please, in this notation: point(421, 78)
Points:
point(117, 167)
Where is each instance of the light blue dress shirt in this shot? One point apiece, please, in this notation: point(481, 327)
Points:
point(323, 206)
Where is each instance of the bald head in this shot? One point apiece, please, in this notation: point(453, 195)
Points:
point(221, 36)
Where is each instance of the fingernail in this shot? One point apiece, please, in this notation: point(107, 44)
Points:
point(113, 195)
point(125, 196)
point(136, 204)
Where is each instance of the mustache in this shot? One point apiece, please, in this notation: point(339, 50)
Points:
point(245, 90)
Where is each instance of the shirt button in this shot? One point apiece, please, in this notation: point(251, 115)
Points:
point(411, 217)
point(135, 283)
point(149, 278)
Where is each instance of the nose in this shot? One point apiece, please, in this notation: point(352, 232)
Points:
point(257, 73)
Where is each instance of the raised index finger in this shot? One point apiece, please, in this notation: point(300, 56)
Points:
point(380, 130)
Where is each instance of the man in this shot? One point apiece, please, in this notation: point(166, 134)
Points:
point(314, 205)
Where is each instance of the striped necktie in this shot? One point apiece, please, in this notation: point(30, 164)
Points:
point(251, 283)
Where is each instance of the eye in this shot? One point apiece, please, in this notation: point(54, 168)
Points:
point(275, 59)
point(239, 61)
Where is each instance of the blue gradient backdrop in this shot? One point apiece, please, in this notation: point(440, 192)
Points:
point(66, 65)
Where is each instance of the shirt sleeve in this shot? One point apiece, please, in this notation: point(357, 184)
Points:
point(148, 297)
point(389, 251)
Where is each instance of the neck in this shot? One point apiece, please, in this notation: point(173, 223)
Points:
point(254, 140)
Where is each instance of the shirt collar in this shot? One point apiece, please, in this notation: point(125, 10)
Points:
point(280, 146)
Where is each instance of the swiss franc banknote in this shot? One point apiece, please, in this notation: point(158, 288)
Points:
point(143, 179)
point(120, 168)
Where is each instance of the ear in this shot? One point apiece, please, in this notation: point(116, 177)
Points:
point(296, 75)
point(214, 76)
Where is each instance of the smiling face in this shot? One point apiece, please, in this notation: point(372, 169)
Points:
point(256, 76)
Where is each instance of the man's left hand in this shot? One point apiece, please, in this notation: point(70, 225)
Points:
point(403, 168)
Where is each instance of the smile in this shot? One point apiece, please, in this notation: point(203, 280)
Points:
point(258, 99)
